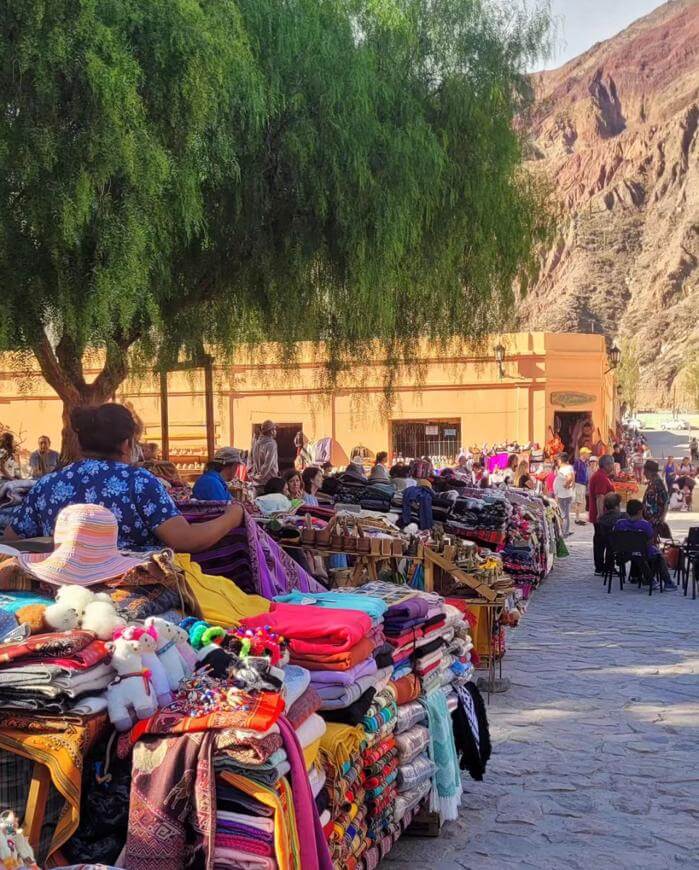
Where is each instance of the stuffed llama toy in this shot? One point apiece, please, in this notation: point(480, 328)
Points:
point(148, 639)
point(130, 696)
point(166, 649)
point(187, 653)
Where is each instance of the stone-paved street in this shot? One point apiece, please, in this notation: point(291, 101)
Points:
point(596, 744)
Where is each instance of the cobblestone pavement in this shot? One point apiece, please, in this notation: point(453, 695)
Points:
point(596, 744)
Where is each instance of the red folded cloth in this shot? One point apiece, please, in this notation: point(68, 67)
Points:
point(407, 689)
point(313, 630)
point(57, 644)
point(80, 660)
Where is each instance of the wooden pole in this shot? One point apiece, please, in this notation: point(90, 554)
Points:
point(209, 399)
point(164, 418)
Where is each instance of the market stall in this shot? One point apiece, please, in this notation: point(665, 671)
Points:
point(230, 705)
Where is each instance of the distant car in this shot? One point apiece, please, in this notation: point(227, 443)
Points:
point(675, 425)
point(634, 423)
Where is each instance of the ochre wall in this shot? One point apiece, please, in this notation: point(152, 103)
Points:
point(455, 385)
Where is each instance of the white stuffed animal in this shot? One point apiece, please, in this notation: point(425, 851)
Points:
point(101, 618)
point(78, 597)
point(187, 652)
point(130, 696)
point(166, 649)
point(148, 641)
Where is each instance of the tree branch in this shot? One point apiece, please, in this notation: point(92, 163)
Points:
point(51, 369)
point(69, 354)
point(116, 364)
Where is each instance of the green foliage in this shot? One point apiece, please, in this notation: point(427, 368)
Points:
point(691, 384)
point(231, 171)
point(629, 372)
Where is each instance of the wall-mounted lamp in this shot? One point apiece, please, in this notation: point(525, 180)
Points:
point(614, 357)
point(499, 352)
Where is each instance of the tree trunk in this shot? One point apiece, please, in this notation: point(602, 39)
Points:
point(63, 370)
point(70, 449)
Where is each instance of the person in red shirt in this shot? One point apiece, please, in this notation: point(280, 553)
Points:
point(600, 485)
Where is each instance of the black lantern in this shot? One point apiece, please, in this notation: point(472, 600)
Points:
point(614, 356)
point(499, 352)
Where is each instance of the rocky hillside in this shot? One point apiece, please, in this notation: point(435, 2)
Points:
point(616, 132)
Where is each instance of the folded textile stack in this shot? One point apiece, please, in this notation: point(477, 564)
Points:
point(320, 639)
point(457, 668)
point(482, 518)
point(415, 770)
point(249, 801)
point(53, 672)
point(302, 704)
point(353, 662)
point(341, 755)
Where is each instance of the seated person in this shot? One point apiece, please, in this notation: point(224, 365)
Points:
point(294, 486)
point(44, 460)
point(146, 514)
point(400, 477)
point(604, 526)
point(634, 522)
point(379, 473)
point(275, 498)
point(213, 483)
point(677, 499)
point(312, 481)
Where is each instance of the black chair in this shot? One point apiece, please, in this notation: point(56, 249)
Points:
point(688, 564)
point(630, 548)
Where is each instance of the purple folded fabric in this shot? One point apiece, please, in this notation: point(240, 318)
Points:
point(408, 609)
point(226, 827)
point(330, 692)
point(397, 627)
point(344, 678)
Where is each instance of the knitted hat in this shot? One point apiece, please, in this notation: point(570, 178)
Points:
point(86, 549)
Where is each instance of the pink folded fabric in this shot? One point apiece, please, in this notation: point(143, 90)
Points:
point(244, 844)
point(314, 630)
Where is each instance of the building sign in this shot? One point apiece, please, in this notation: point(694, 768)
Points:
point(431, 430)
point(564, 400)
point(450, 433)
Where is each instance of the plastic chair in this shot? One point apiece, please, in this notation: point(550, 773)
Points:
point(632, 548)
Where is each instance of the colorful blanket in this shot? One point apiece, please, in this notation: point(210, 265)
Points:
point(173, 803)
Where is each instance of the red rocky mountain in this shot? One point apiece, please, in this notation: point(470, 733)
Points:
point(615, 131)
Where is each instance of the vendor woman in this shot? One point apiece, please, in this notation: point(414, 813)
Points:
point(146, 514)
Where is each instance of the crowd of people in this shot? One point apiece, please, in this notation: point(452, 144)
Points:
point(143, 491)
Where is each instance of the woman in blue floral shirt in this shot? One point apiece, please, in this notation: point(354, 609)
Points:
point(147, 516)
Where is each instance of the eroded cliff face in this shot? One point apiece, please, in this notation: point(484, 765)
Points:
point(616, 131)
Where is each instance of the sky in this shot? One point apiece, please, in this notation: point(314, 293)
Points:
point(582, 23)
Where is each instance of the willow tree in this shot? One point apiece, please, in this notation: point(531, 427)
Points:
point(180, 173)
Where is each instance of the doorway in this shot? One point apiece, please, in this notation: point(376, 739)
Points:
point(575, 430)
point(286, 448)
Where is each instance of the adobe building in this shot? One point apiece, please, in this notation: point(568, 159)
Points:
point(518, 387)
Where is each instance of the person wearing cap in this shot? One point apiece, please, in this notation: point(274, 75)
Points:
point(264, 455)
point(213, 483)
point(581, 466)
point(655, 499)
